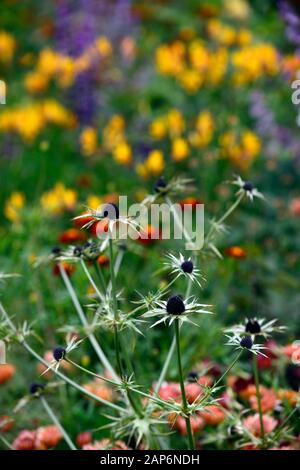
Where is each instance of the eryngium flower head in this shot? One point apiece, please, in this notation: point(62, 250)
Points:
point(256, 326)
point(59, 353)
point(160, 185)
point(252, 326)
point(187, 266)
point(247, 188)
point(246, 342)
point(176, 308)
point(182, 266)
point(36, 388)
point(175, 305)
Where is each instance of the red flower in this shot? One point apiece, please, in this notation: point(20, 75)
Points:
point(192, 201)
point(103, 260)
point(69, 268)
point(235, 252)
point(83, 438)
point(7, 371)
point(72, 235)
point(148, 235)
point(266, 362)
point(6, 423)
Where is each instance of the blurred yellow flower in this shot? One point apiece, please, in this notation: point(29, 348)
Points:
point(88, 141)
point(158, 128)
point(191, 80)
point(254, 61)
point(237, 9)
point(221, 33)
point(240, 148)
point(94, 201)
point(169, 58)
point(58, 199)
point(113, 132)
point(155, 162)
point(13, 206)
point(204, 129)
point(7, 47)
point(175, 122)
point(180, 149)
point(36, 82)
point(103, 46)
point(122, 153)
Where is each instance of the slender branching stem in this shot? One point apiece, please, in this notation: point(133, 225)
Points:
point(224, 217)
point(62, 376)
point(172, 347)
point(117, 340)
point(91, 280)
point(181, 381)
point(256, 378)
point(5, 441)
point(85, 323)
point(56, 421)
point(100, 275)
point(117, 384)
point(228, 369)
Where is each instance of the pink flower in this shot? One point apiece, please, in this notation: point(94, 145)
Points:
point(193, 391)
point(197, 423)
point(252, 423)
point(47, 437)
point(295, 206)
point(170, 391)
point(25, 440)
point(213, 415)
point(83, 438)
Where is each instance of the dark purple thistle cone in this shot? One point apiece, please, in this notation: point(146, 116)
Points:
point(246, 342)
point(36, 388)
point(187, 266)
point(175, 305)
point(59, 353)
point(252, 327)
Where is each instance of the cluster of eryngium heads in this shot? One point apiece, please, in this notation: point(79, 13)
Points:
point(133, 417)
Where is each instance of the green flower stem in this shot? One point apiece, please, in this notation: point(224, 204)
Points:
point(91, 280)
point(117, 340)
point(56, 421)
point(184, 400)
point(208, 394)
point(178, 221)
point(117, 384)
point(225, 216)
point(69, 381)
point(116, 268)
point(166, 365)
point(172, 347)
point(5, 441)
point(66, 379)
point(228, 369)
point(100, 275)
point(85, 323)
point(256, 377)
point(115, 307)
point(231, 209)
